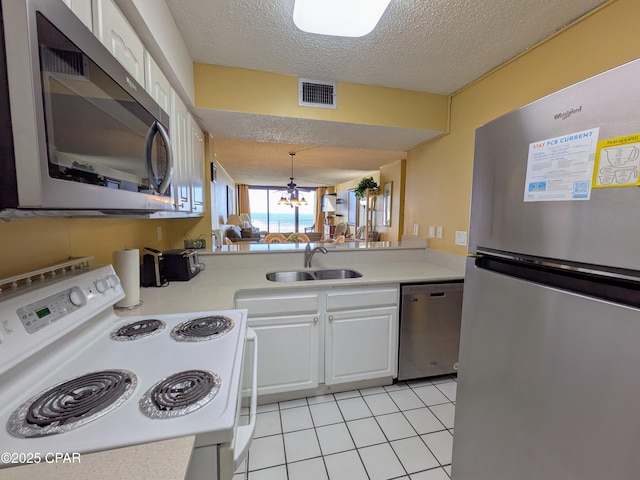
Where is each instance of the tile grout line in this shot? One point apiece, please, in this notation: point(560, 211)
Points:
point(438, 418)
point(354, 443)
point(315, 430)
point(344, 422)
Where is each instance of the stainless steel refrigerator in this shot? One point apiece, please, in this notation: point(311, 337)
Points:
point(549, 378)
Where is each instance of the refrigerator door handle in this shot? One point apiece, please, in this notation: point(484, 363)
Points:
point(594, 284)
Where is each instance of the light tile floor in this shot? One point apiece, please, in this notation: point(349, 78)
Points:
point(401, 431)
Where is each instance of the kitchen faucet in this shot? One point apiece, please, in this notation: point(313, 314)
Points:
point(308, 254)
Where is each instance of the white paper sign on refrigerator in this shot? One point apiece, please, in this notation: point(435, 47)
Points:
point(561, 168)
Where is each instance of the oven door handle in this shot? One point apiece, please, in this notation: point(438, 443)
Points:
point(244, 433)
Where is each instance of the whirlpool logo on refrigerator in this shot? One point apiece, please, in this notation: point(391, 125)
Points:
point(567, 114)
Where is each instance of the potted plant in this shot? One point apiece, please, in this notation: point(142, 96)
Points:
point(367, 183)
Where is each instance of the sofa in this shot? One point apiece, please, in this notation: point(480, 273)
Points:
point(242, 235)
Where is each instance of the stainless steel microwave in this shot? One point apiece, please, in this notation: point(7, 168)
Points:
point(82, 136)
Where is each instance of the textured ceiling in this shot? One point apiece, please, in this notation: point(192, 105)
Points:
point(435, 46)
point(312, 166)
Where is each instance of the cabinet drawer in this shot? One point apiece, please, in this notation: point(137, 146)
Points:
point(279, 304)
point(361, 298)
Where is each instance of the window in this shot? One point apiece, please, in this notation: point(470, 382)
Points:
point(268, 216)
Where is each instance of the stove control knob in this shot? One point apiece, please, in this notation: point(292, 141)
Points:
point(113, 280)
point(102, 285)
point(77, 297)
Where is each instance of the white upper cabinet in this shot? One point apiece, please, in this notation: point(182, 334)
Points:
point(157, 84)
point(187, 139)
point(115, 32)
point(82, 9)
point(181, 142)
point(197, 170)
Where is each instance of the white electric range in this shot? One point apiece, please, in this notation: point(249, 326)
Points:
point(76, 378)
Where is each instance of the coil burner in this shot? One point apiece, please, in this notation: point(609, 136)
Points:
point(202, 328)
point(72, 403)
point(138, 330)
point(180, 394)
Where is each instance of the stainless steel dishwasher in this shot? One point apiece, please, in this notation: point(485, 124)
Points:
point(429, 329)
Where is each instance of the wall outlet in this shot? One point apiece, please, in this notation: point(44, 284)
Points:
point(432, 231)
point(159, 234)
point(461, 238)
point(416, 228)
point(439, 231)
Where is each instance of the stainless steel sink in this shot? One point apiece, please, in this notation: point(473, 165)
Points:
point(292, 276)
point(301, 276)
point(334, 274)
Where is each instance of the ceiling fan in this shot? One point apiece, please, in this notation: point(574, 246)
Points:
point(291, 197)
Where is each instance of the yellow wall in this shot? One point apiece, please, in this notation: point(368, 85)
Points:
point(438, 180)
point(251, 91)
point(29, 244)
point(219, 195)
point(394, 173)
point(32, 243)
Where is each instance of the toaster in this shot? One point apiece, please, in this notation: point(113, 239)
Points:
point(181, 264)
point(152, 270)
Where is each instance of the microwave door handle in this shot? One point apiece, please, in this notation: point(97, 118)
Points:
point(155, 129)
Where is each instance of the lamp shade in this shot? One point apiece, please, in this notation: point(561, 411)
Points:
point(329, 202)
point(234, 220)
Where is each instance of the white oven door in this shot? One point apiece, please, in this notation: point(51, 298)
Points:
point(219, 462)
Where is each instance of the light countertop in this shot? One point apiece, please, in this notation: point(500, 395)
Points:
point(214, 289)
point(165, 460)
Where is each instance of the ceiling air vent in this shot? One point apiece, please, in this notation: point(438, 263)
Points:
point(312, 93)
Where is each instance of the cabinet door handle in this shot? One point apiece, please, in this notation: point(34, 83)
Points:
point(315, 319)
point(330, 318)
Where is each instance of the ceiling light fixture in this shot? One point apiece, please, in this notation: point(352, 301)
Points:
point(291, 196)
point(341, 18)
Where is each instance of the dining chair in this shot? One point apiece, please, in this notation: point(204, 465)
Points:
point(274, 238)
point(299, 237)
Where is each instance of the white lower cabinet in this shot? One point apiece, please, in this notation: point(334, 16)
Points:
point(288, 355)
point(361, 345)
point(330, 335)
point(287, 324)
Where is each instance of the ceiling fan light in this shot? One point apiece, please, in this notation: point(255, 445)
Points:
point(283, 201)
point(340, 18)
point(303, 201)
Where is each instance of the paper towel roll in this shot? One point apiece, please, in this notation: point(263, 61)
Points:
point(126, 263)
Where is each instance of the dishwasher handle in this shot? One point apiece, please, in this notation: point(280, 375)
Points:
point(434, 290)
